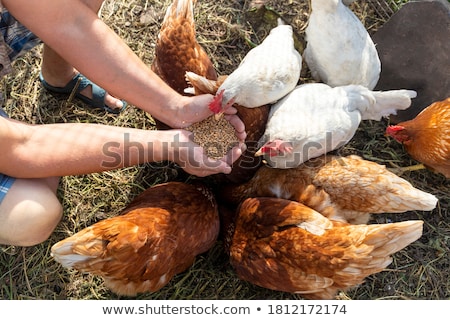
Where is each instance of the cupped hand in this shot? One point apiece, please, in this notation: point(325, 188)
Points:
point(195, 109)
point(192, 158)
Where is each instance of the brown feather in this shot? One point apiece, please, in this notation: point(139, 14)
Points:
point(283, 245)
point(178, 51)
point(355, 188)
point(429, 137)
point(157, 236)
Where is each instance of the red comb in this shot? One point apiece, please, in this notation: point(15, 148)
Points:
point(265, 150)
point(216, 105)
point(393, 129)
point(271, 151)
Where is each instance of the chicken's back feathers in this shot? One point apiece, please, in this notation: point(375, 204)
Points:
point(267, 73)
point(354, 187)
point(426, 138)
point(339, 51)
point(177, 49)
point(157, 236)
point(286, 246)
point(316, 118)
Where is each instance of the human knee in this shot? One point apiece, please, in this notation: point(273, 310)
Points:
point(43, 221)
point(29, 220)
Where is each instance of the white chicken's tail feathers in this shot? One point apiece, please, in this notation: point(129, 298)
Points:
point(387, 103)
point(282, 29)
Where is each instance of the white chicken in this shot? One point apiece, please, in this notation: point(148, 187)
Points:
point(315, 119)
point(266, 74)
point(339, 50)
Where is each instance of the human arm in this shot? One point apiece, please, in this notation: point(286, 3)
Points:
point(36, 151)
point(76, 33)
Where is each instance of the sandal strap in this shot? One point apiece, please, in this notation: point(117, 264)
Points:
point(76, 85)
point(98, 93)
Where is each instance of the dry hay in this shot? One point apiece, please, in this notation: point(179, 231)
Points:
point(418, 272)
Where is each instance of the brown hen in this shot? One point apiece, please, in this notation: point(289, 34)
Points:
point(285, 246)
point(177, 49)
point(426, 138)
point(355, 188)
point(157, 236)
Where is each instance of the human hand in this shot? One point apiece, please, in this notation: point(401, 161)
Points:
point(194, 109)
point(192, 158)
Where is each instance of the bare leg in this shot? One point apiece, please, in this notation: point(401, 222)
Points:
point(29, 212)
point(57, 72)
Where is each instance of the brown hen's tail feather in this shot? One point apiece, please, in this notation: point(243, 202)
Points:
point(63, 253)
point(380, 242)
point(391, 238)
point(385, 240)
point(180, 8)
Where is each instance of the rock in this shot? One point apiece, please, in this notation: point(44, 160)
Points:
point(414, 49)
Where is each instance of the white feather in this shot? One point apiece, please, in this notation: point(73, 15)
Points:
point(267, 73)
point(316, 118)
point(339, 50)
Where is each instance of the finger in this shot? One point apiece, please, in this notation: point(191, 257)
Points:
point(230, 110)
point(215, 167)
point(238, 126)
point(234, 153)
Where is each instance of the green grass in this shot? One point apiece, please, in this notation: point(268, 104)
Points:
point(418, 272)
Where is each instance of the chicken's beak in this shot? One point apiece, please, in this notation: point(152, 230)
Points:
point(230, 103)
point(218, 116)
point(258, 153)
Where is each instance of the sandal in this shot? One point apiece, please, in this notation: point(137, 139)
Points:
point(78, 83)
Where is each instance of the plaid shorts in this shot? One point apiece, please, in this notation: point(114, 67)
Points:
point(16, 36)
point(5, 184)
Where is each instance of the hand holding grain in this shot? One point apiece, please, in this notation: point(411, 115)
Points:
point(193, 158)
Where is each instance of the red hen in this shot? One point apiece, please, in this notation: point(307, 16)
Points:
point(283, 245)
point(426, 138)
point(157, 236)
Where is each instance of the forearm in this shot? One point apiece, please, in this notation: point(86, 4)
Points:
point(74, 148)
point(78, 35)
